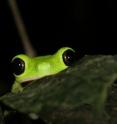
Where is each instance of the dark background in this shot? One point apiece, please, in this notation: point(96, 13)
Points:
point(86, 25)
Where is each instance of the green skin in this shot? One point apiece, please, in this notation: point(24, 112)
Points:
point(38, 67)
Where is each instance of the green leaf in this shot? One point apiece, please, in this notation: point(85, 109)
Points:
point(81, 94)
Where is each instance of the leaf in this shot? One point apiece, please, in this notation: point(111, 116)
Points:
point(81, 94)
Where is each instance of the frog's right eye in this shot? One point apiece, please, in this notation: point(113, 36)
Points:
point(69, 56)
point(18, 66)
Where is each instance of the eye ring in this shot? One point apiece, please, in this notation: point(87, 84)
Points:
point(69, 56)
point(18, 66)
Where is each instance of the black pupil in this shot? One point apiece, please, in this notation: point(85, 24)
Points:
point(69, 57)
point(18, 66)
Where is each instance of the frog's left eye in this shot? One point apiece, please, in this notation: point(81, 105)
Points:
point(18, 66)
point(69, 56)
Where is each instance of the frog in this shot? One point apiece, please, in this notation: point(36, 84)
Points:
point(27, 69)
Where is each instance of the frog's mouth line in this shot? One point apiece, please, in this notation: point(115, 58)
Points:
point(29, 81)
point(26, 83)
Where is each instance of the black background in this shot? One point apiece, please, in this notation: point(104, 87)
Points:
point(86, 25)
